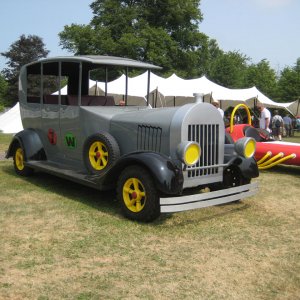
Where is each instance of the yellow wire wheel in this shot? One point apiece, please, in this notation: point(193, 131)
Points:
point(100, 151)
point(134, 195)
point(98, 155)
point(137, 194)
point(19, 162)
point(19, 159)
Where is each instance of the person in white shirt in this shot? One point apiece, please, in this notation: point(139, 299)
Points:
point(265, 117)
point(216, 104)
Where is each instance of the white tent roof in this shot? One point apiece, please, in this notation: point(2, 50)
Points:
point(168, 90)
point(10, 122)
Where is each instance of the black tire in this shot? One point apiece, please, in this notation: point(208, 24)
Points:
point(100, 151)
point(137, 195)
point(19, 159)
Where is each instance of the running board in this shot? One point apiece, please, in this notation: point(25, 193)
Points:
point(66, 173)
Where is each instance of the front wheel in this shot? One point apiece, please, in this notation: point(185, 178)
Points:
point(138, 195)
point(19, 160)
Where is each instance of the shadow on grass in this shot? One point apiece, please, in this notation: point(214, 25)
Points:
point(104, 201)
point(210, 214)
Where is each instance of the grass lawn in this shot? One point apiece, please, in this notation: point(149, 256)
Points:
point(60, 240)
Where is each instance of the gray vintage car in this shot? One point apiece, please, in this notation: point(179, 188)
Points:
point(158, 159)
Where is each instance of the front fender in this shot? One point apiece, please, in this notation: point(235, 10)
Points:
point(31, 144)
point(247, 166)
point(167, 176)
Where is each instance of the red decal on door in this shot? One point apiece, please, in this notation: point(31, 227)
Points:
point(52, 136)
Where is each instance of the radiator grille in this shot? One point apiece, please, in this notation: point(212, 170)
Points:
point(208, 138)
point(149, 138)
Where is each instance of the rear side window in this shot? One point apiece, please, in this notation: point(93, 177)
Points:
point(51, 83)
point(34, 84)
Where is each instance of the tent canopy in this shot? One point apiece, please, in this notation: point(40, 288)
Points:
point(163, 92)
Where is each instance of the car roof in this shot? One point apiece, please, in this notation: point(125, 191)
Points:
point(100, 60)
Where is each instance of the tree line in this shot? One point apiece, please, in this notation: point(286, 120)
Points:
point(163, 32)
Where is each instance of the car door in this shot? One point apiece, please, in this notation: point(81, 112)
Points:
point(50, 107)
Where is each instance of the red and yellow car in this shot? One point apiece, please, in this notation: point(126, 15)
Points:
point(269, 152)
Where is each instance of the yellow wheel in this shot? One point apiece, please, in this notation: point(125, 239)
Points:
point(19, 159)
point(98, 155)
point(134, 195)
point(138, 195)
point(100, 151)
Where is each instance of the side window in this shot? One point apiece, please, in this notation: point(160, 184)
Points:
point(34, 84)
point(70, 72)
point(51, 83)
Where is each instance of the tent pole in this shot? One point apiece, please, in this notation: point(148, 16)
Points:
point(298, 107)
point(148, 87)
point(106, 79)
point(126, 86)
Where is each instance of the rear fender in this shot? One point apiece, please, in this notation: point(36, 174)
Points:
point(31, 144)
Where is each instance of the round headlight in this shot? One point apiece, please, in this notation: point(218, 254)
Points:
point(245, 147)
point(189, 152)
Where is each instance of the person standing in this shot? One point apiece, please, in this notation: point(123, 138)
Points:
point(277, 125)
point(287, 122)
point(265, 117)
point(216, 104)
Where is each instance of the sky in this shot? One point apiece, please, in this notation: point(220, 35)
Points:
point(259, 29)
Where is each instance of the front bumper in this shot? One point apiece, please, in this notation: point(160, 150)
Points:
point(182, 203)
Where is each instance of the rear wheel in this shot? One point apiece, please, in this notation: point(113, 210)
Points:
point(19, 159)
point(138, 195)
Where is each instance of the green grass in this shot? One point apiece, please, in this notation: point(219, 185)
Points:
point(4, 142)
point(293, 139)
point(63, 241)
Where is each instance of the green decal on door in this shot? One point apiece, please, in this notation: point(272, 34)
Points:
point(70, 141)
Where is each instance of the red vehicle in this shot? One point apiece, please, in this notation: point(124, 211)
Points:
point(269, 152)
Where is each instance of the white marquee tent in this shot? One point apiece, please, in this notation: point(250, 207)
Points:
point(10, 122)
point(163, 92)
point(177, 91)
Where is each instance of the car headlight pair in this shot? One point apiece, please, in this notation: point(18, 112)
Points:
point(189, 152)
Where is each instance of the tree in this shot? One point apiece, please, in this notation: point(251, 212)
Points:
point(3, 91)
point(289, 83)
point(263, 77)
point(228, 69)
point(164, 32)
point(21, 52)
